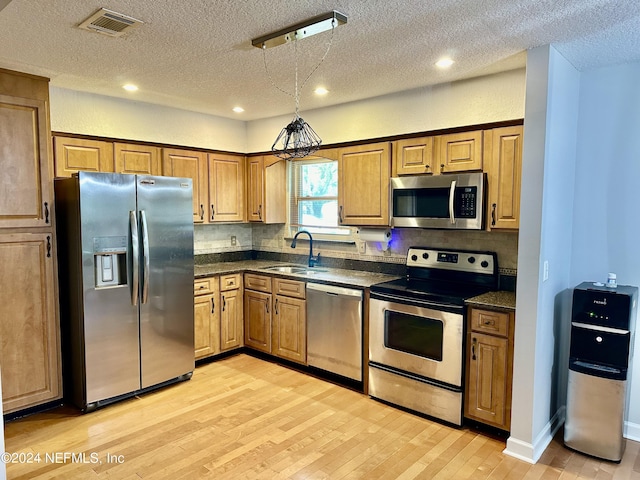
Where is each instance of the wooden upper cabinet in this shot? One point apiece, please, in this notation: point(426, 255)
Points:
point(226, 188)
point(140, 159)
point(503, 164)
point(29, 329)
point(413, 156)
point(255, 185)
point(363, 185)
point(266, 189)
point(193, 165)
point(77, 154)
point(26, 198)
point(458, 152)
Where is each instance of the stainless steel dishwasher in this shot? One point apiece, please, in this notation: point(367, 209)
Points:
point(334, 329)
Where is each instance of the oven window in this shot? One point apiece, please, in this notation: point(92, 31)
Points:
point(412, 334)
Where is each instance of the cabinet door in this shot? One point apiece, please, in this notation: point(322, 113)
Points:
point(459, 152)
point(231, 320)
point(25, 181)
point(226, 188)
point(255, 183)
point(486, 398)
point(29, 330)
point(207, 325)
point(142, 159)
point(257, 317)
point(363, 185)
point(503, 160)
point(193, 165)
point(413, 156)
point(290, 329)
point(73, 155)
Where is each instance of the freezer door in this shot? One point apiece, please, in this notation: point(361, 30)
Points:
point(166, 278)
point(110, 327)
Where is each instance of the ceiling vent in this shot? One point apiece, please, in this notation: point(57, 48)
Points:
point(110, 23)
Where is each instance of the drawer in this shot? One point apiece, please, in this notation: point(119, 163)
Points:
point(260, 283)
point(204, 286)
point(490, 322)
point(289, 288)
point(230, 282)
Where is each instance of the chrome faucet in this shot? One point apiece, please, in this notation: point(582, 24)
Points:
point(313, 260)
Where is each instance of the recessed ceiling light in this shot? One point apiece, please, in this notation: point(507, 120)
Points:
point(321, 91)
point(444, 63)
point(130, 87)
point(238, 109)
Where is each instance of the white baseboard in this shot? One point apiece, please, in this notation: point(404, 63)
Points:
point(531, 452)
point(632, 431)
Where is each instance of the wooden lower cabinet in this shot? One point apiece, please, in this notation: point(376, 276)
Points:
point(206, 309)
point(289, 329)
point(489, 367)
point(276, 317)
point(257, 318)
point(231, 312)
point(29, 328)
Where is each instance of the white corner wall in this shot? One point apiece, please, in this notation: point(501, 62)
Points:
point(606, 220)
point(478, 100)
point(548, 170)
point(99, 115)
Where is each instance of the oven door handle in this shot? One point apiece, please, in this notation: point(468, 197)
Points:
point(452, 194)
point(447, 307)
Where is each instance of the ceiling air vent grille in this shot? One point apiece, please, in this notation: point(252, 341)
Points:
point(110, 23)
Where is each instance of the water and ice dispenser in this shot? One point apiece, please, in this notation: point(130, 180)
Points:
point(602, 333)
point(110, 261)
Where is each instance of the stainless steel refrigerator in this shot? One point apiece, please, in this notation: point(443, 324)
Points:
point(125, 246)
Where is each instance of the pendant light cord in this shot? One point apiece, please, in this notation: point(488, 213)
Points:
point(296, 94)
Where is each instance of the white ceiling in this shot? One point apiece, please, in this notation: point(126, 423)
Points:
point(197, 54)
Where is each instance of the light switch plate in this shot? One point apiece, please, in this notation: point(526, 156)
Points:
point(545, 271)
point(233, 240)
point(362, 247)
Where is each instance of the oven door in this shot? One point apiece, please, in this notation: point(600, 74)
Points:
point(417, 338)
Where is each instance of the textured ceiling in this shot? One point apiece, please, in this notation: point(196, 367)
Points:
point(197, 54)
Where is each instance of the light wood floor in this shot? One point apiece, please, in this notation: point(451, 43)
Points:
point(243, 417)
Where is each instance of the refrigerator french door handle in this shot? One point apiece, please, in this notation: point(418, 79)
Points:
point(451, 198)
point(145, 256)
point(135, 261)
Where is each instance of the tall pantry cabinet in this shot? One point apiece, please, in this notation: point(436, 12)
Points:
point(29, 322)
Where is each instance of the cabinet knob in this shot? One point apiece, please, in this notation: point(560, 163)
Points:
point(201, 212)
point(276, 307)
point(473, 349)
point(213, 211)
point(441, 167)
point(213, 305)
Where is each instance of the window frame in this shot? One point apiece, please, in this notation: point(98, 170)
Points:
point(293, 200)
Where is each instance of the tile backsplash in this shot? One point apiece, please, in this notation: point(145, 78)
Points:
point(270, 238)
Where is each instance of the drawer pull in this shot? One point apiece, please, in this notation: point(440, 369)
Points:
point(473, 349)
point(489, 322)
point(276, 306)
point(224, 303)
point(213, 306)
point(201, 287)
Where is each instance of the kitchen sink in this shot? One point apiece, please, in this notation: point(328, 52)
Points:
point(295, 269)
point(286, 269)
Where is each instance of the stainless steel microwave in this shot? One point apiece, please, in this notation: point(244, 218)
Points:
point(440, 201)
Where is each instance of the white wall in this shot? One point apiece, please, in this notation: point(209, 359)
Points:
point(478, 100)
point(606, 217)
point(551, 113)
point(99, 115)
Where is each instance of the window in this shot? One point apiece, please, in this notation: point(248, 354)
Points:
point(314, 198)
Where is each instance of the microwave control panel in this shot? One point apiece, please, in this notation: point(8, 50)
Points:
point(465, 206)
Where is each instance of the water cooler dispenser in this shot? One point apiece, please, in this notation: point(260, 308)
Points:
point(602, 328)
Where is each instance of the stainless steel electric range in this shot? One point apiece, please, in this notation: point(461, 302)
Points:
point(417, 330)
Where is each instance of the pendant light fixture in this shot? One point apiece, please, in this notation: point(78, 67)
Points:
point(298, 139)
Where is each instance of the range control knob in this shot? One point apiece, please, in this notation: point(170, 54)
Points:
point(414, 257)
point(484, 264)
point(471, 259)
point(425, 255)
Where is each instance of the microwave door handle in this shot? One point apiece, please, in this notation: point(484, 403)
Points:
point(452, 192)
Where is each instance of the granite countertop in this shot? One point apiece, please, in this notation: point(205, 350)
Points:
point(500, 299)
point(343, 277)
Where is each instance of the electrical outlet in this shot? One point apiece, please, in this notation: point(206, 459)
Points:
point(545, 271)
point(362, 247)
point(233, 240)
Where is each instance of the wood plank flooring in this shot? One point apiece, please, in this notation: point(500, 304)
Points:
point(244, 418)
